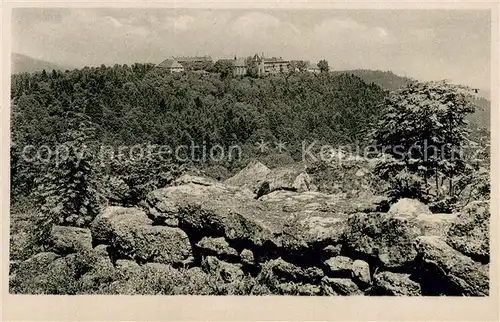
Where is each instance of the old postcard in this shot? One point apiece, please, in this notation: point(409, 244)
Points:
point(255, 161)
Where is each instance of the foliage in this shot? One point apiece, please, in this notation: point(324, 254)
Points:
point(423, 129)
point(67, 192)
point(224, 67)
point(323, 66)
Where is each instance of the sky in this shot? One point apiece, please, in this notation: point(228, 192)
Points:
point(424, 44)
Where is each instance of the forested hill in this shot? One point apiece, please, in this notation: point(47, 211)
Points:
point(141, 103)
point(25, 64)
point(385, 79)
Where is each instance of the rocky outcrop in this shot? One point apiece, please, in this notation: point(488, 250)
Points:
point(382, 238)
point(131, 234)
point(470, 233)
point(218, 247)
point(409, 208)
point(65, 240)
point(200, 236)
point(340, 286)
point(456, 273)
point(289, 179)
point(388, 283)
point(251, 177)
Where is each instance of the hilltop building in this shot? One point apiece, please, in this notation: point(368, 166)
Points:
point(195, 62)
point(313, 68)
point(240, 67)
point(271, 65)
point(171, 65)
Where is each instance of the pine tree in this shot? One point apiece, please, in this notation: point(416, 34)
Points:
point(67, 192)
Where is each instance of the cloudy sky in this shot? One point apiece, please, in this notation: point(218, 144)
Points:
point(427, 45)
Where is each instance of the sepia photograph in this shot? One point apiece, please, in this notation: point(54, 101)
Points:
point(250, 152)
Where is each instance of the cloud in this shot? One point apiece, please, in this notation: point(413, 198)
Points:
point(254, 23)
point(403, 42)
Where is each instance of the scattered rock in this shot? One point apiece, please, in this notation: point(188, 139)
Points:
point(408, 208)
point(340, 286)
point(158, 244)
point(434, 224)
point(361, 273)
point(388, 283)
point(131, 234)
point(332, 250)
point(283, 271)
point(187, 178)
point(65, 239)
point(106, 223)
point(382, 237)
point(251, 177)
point(470, 233)
point(247, 257)
point(339, 266)
point(218, 247)
point(228, 272)
point(455, 273)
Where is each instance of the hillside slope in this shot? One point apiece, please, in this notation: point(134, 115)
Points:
point(26, 64)
point(387, 80)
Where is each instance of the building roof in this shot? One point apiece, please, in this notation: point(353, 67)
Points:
point(193, 58)
point(170, 63)
point(312, 66)
point(240, 62)
point(274, 60)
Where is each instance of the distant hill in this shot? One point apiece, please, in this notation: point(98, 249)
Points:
point(478, 120)
point(385, 79)
point(26, 64)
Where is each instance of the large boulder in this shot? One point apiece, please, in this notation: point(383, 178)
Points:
point(382, 238)
point(408, 208)
point(104, 225)
point(295, 224)
point(131, 233)
point(434, 224)
point(225, 211)
point(283, 272)
point(218, 247)
point(361, 273)
point(65, 239)
point(448, 271)
point(339, 266)
point(389, 283)
point(339, 286)
point(247, 257)
point(228, 272)
point(291, 179)
point(251, 177)
point(470, 233)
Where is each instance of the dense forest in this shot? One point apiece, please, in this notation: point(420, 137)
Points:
point(141, 104)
